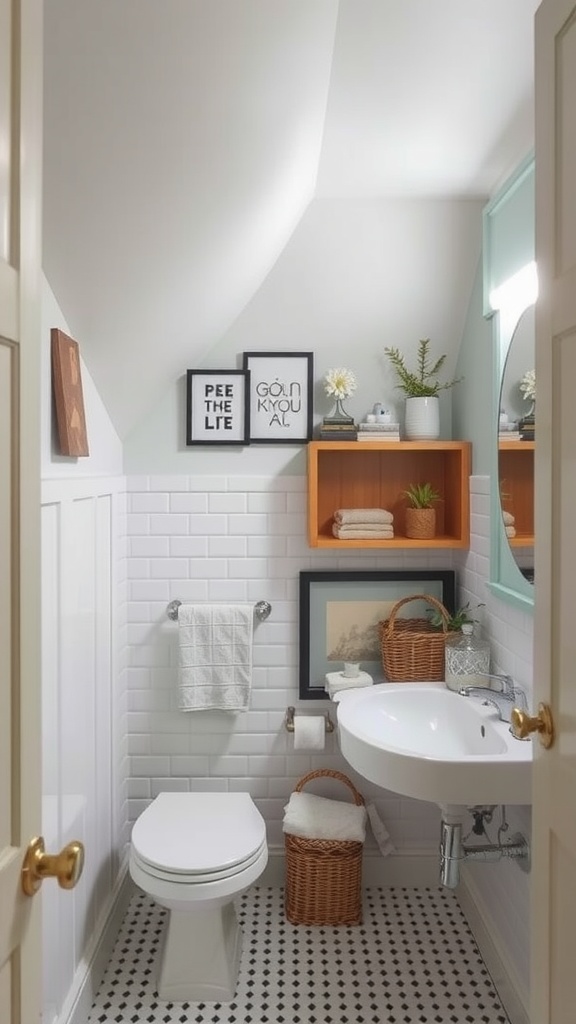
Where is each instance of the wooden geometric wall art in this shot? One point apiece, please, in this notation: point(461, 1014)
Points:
point(68, 396)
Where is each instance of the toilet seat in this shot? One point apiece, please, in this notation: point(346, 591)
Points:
point(193, 838)
point(197, 877)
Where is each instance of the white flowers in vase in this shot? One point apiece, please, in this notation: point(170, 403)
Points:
point(528, 386)
point(340, 383)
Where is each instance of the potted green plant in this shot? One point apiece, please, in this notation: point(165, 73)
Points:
point(421, 387)
point(420, 521)
point(461, 617)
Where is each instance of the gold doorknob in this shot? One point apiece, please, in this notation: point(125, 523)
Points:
point(522, 724)
point(66, 866)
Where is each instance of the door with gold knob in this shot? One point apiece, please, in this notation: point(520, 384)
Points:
point(20, 181)
point(554, 813)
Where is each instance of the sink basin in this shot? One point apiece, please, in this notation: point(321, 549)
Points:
point(425, 741)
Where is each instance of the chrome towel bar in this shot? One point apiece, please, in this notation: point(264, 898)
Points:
point(262, 610)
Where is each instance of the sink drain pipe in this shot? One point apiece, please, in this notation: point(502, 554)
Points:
point(454, 850)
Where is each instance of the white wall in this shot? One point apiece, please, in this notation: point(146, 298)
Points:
point(355, 277)
point(84, 755)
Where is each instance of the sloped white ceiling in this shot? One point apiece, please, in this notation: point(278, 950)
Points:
point(184, 139)
point(428, 97)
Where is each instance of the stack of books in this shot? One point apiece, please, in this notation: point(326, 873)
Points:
point(508, 432)
point(384, 432)
point(338, 428)
point(527, 428)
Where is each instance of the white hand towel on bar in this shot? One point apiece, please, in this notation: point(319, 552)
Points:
point(215, 669)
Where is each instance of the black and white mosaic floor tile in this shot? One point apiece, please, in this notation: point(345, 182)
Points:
point(412, 961)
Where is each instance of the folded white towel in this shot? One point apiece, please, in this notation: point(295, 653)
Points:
point(362, 532)
point(336, 681)
point(508, 518)
point(315, 817)
point(363, 515)
point(345, 528)
point(510, 531)
point(215, 642)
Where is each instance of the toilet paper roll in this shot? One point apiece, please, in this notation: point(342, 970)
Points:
point(309, 732)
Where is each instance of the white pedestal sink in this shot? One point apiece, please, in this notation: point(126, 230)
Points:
point(425, 741)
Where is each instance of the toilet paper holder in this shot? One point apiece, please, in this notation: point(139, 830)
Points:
point(289, 720)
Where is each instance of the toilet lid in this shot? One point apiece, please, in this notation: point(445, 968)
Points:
point(193, 833)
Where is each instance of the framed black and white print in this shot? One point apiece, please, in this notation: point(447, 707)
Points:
point(340, 613)
point(280, 396)
point(217, 407)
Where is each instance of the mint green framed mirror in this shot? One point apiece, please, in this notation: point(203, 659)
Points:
point(509, 292)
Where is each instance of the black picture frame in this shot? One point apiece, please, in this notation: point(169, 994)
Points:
point(217, 407)
point(281, 396)
point(378, 590)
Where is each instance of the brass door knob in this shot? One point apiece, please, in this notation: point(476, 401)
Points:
point(522, 724)
point(66, 866)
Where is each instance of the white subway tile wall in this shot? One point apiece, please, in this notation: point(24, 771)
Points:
point(234, 539)
point(504, 892)
point(244, 539)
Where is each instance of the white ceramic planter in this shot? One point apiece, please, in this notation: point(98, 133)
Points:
point(422, 420)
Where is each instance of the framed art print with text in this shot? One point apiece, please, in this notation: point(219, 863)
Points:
point(217, 407)
point(280, 396)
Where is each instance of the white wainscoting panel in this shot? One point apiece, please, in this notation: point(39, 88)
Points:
point(84, 681)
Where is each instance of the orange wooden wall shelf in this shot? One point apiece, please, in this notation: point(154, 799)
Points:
point(352, 474)
point(516, 473)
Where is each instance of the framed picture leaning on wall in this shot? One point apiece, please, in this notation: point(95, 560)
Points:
point(340, 613)
point(217, 407)
point(281, 396)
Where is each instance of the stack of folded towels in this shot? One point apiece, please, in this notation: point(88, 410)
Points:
point(316, 817)
point(509, 521)
point(366, 523)
point(337, 681)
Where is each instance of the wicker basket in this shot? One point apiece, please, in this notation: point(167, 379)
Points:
point(413, 649)
point(324, 876)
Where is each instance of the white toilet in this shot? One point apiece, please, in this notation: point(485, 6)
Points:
point(193, 853)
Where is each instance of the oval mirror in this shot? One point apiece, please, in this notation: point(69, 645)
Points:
point(516, 447)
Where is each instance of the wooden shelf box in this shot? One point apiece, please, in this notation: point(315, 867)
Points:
point(352, 474)
point(516, 473)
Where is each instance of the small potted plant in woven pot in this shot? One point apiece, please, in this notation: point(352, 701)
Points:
point(420, 518)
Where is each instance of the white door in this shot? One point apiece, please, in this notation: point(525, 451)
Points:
point(20, 161)
point(554, 836)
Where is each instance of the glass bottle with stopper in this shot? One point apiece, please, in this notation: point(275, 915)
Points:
point(467, 659)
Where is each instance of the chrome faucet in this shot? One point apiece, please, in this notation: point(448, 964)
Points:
point(509, 695)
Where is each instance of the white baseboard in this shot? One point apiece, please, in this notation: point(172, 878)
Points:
point(90, 970)
point(406, 868)
point(503, 974)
